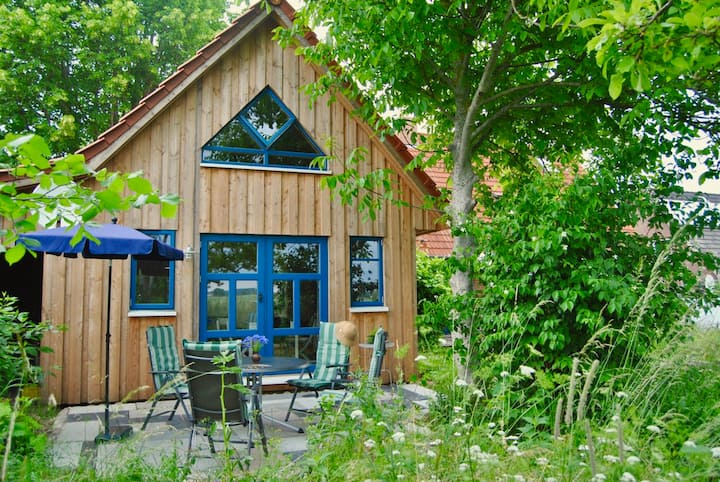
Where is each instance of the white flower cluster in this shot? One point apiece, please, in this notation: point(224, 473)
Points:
point(477, 455)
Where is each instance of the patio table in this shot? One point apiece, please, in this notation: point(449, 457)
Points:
point(271, 365)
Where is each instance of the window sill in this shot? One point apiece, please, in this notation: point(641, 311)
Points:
point(149, 313)
point(369, 309)
point(223, 165)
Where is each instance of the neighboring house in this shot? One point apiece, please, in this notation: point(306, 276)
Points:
point(268, 251)
point(709, 243)
point(440, 243)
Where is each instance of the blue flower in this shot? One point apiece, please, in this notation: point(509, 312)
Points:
point(255, 342)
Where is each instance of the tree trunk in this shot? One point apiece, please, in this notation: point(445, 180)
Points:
point(461, 210)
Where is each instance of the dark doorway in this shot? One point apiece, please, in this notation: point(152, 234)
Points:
point(24, 281)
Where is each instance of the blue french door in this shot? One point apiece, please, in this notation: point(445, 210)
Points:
point(271, 285)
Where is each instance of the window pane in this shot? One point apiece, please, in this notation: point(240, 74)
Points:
point(298, 346)
point(364, 249)
point(296, 257)
point(266, 116)
point(293, 140)
point(232, 257)
point(283, 304)
point(309, 303)
point(152, 282)
point(233, 135)
point(290, 161)
point(232, 156)
point(364, 277)
point(218, 306)
point(246, 305)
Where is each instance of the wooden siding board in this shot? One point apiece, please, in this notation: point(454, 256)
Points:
point(290, 91)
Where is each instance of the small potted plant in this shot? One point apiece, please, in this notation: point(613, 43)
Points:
point(254, 344)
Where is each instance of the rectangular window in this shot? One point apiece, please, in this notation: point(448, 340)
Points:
point(366, 274)
point(152, 283)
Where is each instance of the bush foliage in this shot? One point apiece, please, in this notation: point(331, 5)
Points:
point(561, 271)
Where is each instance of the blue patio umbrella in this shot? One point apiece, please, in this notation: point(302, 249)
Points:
point(115, 241)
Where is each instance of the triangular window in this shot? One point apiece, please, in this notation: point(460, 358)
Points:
point(264, 133)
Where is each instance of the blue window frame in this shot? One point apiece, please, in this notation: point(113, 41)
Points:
point(152, 283)
point(275, 286)
point(264, 134)
point(366, 271)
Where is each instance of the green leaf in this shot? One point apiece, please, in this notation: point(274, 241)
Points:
point(615, 87)
point(625, 64)
point(15, 253)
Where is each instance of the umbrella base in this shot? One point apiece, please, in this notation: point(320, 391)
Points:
point(113, 434)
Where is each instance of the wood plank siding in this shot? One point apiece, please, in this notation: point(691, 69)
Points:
point(231, 200)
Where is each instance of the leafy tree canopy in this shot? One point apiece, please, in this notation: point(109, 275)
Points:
point(69, 69)
point(62, 193)
point(622, 87)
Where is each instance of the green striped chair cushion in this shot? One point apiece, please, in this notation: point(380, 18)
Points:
point(164, 358)
point(331, 360)
point(216, 346)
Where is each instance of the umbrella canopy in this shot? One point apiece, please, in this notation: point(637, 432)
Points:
point(115, 242)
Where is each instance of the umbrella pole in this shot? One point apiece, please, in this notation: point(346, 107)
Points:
point(119, 432)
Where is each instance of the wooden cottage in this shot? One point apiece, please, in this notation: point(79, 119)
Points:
point(267, 249)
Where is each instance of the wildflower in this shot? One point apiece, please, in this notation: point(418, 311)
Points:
point(421, 466)
point(526, 371)
point(369, 444)
point(519, 478)
point(457, 434)
point(396, 452)
point(356, 414)
point(435, 443)
point(627, 477)
point(458, 421)
point(420, 358)
point(491, 425)
point(611, 458)
point(542, 461)
point(457, 409)
point(52, 402)
point(463, 467)
point(504, 373)
point(632, 460)
point(551, 479)
point(689, 443)
point(599, 477)
point(621, 395)
point(431, 454)
point(583, 448)
point(479, 393)
point(382, 424)
point(654, 428)
point(461, 383)
point(715, 451)
point(399, 437)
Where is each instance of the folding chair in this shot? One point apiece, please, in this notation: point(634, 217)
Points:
point(217, 393)
point(331, 367)
point(165, 368)
point(378, 354)
point(373, 374)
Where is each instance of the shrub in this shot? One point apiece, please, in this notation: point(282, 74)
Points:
point(19, 346)
point(433, 285)
point(560, 273)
